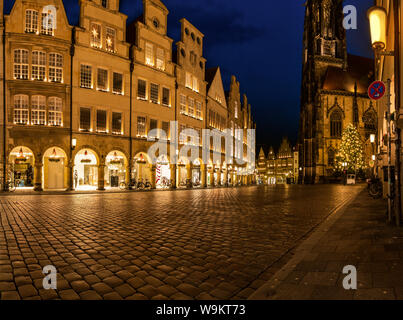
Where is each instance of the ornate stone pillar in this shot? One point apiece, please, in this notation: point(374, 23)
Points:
point(101, 177)
point(212, 180)
point(38, 176)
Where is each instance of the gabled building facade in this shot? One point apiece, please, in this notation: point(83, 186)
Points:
point(83, 102)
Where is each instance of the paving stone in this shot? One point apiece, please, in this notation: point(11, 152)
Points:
point(102, 288)
point(9, 295)
point(90, 295)
point(69, 295)
point(125, 290)
point(80, 286)
point(112, 296)
point(27, 291)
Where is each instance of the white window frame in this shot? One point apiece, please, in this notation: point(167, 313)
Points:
point(199, 110)
point(31, 21)
point(49, 28)
point(141, 127)
point(38, 65)
point(38, 110)
point(152, 96)
point(120, 90)
point(85, 77)
point(55, 112)
point(189, 83)
point(149, 54)
point(56, 63)
point(183, 104)
point(21, 109)
point(191, 107)
point(161, 59)
point(21, 64)
point(145, 90)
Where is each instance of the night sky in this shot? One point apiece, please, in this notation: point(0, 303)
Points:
point(258, 41)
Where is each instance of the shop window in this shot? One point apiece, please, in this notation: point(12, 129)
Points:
point(21, 109)
point(142, 90)
point(117, 83)
point(55, 67)
point(102, 80)
point(31, 21)
point(21, 65)
point(38, 65)
point(154, 93)
point(101, 121)
point(117, 123)
point(166, 93)
point(55, 111)
point(86, 76)
point(38, 110)
point(85, 119)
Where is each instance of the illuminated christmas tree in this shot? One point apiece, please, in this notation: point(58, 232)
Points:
point(351, 152)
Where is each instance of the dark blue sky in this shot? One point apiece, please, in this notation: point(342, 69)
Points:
point(258, 41)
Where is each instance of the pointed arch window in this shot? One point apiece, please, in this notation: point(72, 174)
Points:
point(336, 124)
point(331, 156)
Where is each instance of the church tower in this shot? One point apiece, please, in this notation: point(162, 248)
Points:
point(324, 46)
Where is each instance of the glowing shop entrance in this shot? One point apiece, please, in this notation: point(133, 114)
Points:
point(85, 170)
point(54, 169)
point(115, 172)
point(22, 167)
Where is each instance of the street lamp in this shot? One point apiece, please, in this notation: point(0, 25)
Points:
point(73, 144)
point(372, 138)
point(377, 19)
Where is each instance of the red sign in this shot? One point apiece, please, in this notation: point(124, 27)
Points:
point(377, 90)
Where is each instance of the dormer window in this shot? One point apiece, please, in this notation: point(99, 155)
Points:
point(110, 39)
point(149, 54)
point(31, 21)
point(48, 23)
point(96, 35)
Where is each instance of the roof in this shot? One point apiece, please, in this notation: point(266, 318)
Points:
point(210, 74)
point(360, 70)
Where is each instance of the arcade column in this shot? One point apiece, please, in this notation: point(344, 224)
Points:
point(38, 176)
point(101, 177)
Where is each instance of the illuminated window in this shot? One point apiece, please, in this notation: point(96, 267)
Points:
point(191, 107)
point(31, 21)
point(47, 23)
point(195, 84)
point(188, 80)
point(96, 35)
point(101, 121)
point(142, 90)
point(166, 94)
point(117, 83)
point(149, 54)
point(117, 123)
point(154, 92)
point(55, 67)
point(198, 110)
point(183, 104)
point(141, 126)
point(38, 65)
point(182, 136)
point(38, 110)
point(55, 106)
point(110, 39)
point(160, 59)
point(21, 65)
point(21, 109)
point(102, 80)
point(85, 119)
point(86, 76)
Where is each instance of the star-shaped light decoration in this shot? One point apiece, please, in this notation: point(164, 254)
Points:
point(95, 33)
point(109, 42)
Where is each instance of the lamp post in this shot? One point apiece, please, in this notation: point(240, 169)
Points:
point(378, 22)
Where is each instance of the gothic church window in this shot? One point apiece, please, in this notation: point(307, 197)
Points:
point(336, 124)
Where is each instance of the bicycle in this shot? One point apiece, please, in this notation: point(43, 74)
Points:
point(375, 188)
point(132, 185)
point(11, 187)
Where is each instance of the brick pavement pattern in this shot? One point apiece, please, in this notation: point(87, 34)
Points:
point(196, 244)
point(359, 237)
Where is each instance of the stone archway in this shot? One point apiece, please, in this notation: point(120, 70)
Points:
point(22, 167)
point(116, 169)
point(55, 169)
point(85, 173)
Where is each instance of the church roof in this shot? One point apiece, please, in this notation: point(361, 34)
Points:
point(360, 70)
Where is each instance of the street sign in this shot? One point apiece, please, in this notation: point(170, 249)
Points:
point(376, 90)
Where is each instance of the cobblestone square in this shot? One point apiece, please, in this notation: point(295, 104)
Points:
point(196, 244)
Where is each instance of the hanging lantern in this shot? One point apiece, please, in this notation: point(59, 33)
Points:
point(86, 160)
